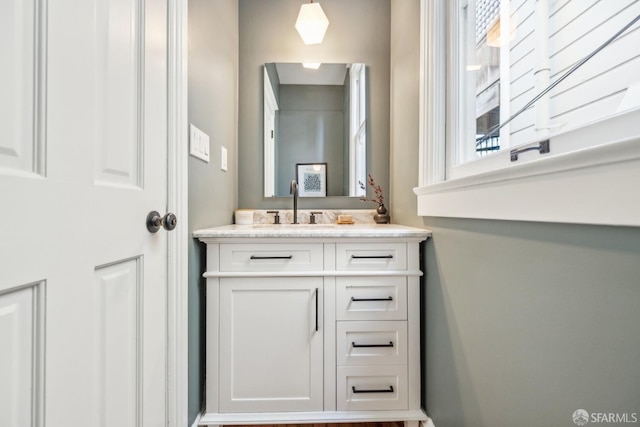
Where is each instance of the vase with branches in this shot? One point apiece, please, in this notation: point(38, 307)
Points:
point(381, 217)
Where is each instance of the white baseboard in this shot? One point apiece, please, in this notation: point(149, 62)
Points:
point(427, 423)
point(324, 417)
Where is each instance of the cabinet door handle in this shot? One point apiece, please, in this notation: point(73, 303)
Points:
point(316, 309)
point(384, 390)
point(354, 299)
point(371, 256)
point(354, 345)
point(271, 257)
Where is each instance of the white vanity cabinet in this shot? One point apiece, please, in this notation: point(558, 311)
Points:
point(312, 325)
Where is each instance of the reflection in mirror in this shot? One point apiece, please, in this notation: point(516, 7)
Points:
point(315, 114)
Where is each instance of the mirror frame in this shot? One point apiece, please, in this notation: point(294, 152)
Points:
point(356, 138)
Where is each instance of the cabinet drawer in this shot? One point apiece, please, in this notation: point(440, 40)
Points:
point(362, 388)
point(371, 343)
point(371, 298)
point(371, 256)
point(271, 257)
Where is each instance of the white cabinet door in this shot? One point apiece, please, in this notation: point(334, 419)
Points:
point(83, 154)
point(271, 341)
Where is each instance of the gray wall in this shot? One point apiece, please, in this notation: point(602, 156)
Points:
point(358, 32)
point(213, 107)
point(527, 322)
point(311, 130)
point(524, 322)
point(405, 81)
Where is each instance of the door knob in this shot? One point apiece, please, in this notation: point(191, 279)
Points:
point(155, 221)
point(170, 221)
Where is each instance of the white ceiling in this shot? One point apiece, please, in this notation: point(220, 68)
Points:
point(296, 74)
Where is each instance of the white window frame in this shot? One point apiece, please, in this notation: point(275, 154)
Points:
point(597, 185)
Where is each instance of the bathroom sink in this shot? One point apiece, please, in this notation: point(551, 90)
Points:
point(290, 226)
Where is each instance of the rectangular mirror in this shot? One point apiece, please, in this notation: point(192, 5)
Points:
point(315, 114)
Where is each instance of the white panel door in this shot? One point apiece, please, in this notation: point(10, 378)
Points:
point(83, 146)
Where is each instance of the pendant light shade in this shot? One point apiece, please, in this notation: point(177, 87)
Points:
point(312, 23)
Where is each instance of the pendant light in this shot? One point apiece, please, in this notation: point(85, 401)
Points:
point(312, 23)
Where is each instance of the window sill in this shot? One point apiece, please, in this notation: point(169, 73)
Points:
point(599, 185)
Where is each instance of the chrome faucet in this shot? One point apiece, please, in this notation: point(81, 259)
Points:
point(294, 190)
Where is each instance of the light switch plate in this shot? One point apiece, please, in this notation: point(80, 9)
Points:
point(223, 159)
point(198, 143)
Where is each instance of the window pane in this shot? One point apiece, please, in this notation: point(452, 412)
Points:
point(487, 76)
point(510, 51)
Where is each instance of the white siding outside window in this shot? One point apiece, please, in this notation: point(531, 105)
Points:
point(575, 28)
point(592, 118)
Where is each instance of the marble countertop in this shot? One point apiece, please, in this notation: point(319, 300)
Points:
point(312, 231)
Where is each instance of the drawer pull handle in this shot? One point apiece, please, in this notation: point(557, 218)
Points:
point(354, 345)
point(371, 256)
point(354, 299)
point(384, 390)
point(271, 257)
point(316, 309)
